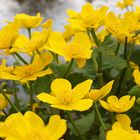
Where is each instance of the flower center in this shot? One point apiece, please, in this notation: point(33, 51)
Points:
point(73, 50)
point(65, 97)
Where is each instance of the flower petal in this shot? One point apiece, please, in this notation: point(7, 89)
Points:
point(107, 88)
point(33, 119)
point(55, 128)
point(105, 105)
point(81, 89)
point(59, 86)
point(45, 97)
point(82, 105)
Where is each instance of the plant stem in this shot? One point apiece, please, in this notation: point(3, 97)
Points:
point(24, 61)
point(29, 32)
point(117, 50)
point(99, 116)
point(100, 74)
point(130, 51)
point(4, 113)
point(95, 37)
point(16, 109)
point(99, 67)
point(74, 125)
point(95, 62)
point(31, 95)
point(125, 48)
point(122, 77)
point(68, 69)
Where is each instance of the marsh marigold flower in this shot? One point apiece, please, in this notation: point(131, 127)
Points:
point(26, 45)
point(31, 127)
point(87, 18)
point(65, 98)
point(27, 21)
point(8, 35)
point(114, 104)
point(125, 3)
point(136, 75)
point(32, 71)
point(3, 101)
point(97, 94)
point(79, 48)
point(120, 27)
point(6, 71)
point(121, 129)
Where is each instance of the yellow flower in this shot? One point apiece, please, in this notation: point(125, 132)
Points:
point(37, 41)
point(87, 18)
point(79, 48)
point(31, 127)
point(120, 27)
point(6, 71)
point(3, 101)
point(125, 3)
point(32, 71)
point(136, 75)
point(8, 35)
point(65, 98)
point(114, 104)
point(122, 130)
point(28, 21)
point(97, 94)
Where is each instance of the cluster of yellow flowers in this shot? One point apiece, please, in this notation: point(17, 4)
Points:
point(82, 41)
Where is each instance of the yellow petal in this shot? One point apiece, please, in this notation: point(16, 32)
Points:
point(60, 86)
point(107, 88)
point(136, 75)
point(119, 134)
point(45, 97)
point(124, 120)
point(105, 105)
point(55, 128)
point(112, 99)
point(34, 120)
point(81, 89)
point(44, 72)
point(82, 105)
point(71, 13)
point(83, 39)
point(81, 62)
point(132, 101)
point(56, 43)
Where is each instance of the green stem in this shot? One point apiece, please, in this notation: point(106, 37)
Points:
point(125, 48)
point(130, 51)
point(106, 38)
point(29, 32)
point(68, 69)
point(16, 109)
point(74, 125)
point(100, 74)
point(30, 86)
point(24, 61)
point(99, 116)
point(117, 50)
point(95, 37)
point(95, 63)
point(4, 113)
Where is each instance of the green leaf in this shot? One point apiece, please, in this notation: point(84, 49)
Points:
point(83, 124)
point(58, 69)
point(112, 61)
point(135, 91)
point(43, 84)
